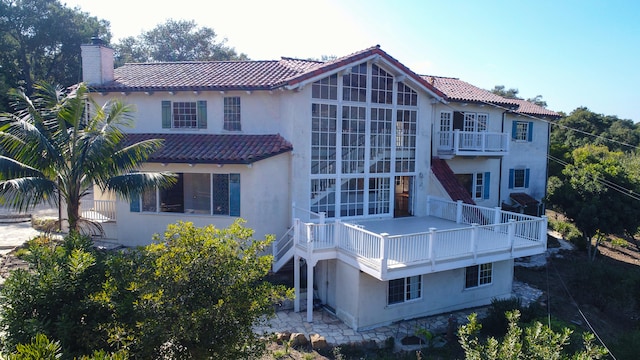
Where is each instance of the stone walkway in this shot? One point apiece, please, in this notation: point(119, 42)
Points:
point(336, 332)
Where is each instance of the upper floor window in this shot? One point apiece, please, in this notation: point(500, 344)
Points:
point(518, 178)
point(406, 95)
point(184, 114)
point(381, 86)
point(478, 275)
point(405, 289)
point(232, 113)
point(522, 130)
point(326, 88)
point(354, 84)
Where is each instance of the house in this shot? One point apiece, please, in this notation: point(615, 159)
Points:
point(383, 187)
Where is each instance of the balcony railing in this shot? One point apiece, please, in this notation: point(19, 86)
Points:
point(477, 234)
point(473, 143)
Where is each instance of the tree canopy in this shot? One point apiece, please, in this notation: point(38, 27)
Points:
point(40, 41)
point(512, 93)
point(175, 40)
point(597, 193)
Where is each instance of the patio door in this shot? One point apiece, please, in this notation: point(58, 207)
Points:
point(403, 204)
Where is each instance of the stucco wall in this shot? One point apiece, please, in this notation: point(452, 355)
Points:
point(264, 202)
point(441, 292)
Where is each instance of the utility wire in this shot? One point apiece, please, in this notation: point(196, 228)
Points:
point(573, 301)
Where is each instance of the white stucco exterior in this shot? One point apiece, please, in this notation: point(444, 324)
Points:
point(343, 166)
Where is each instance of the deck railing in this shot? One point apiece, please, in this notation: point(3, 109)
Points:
point(485, 231)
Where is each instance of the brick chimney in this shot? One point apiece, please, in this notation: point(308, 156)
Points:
point(97, 62)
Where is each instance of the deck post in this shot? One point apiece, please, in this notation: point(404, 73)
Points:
point(310, 266)
point(296, 282)
point(336, 233)
point(512, 234)
point(293, 212)
point(543, 230)
point(459, 212)
point(497, 218)
point(432, 238)
point(474, 241)
point(384, 256)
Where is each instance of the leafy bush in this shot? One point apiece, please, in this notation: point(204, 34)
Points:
point(569, 232)
point(195, 294)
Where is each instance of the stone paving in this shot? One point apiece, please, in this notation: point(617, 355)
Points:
point(336, 332)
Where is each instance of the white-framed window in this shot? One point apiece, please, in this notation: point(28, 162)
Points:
point(232, 113)
point(478, 275)
point(194, 193)
point(363, 132)
point(326, 88)
point(519, 178)
point(522, 131)
point(405, 289)
point(184, 114)
point(477, 184)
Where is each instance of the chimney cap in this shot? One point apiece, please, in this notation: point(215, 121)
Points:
point(95, 40)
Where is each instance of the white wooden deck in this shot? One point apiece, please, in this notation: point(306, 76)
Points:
point(456, 235)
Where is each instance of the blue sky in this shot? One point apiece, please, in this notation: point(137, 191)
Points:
point(573, 53)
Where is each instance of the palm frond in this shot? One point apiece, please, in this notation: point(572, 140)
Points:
point(24, 193)
point(11, 168)
point(131, 184)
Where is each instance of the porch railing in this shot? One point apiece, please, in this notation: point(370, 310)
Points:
point(99, 210)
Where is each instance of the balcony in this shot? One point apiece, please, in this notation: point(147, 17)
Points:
point(467, 143)
point(453, 235)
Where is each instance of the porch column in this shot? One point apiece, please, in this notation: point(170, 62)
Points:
point(384, 256)
point(310, 265)
point(296, 282)
point(459, 212)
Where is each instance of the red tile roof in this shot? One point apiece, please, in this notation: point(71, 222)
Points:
point(461, 91)
point(523, 199)
point(236, 75)
point(214, 149)
point(206, 75)
point(447, 178)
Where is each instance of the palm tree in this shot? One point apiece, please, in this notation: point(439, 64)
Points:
point(58, 144)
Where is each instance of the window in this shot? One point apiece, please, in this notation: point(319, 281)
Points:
point(184, 114)
point(326, 88)
point(364, 131)
point(232, 113)
point(478, 275)
point(522, 131)
point(381, 86)
point(194, 193)
point(518, 178)
point(405, 289)
point(354, 84)
point(477, 184)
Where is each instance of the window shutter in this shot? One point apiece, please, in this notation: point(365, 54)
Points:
point(166, 114)
point(234, 194)
point(134, 203)
point(530, 132)
point(511, 178)
point(487, 185)
point(526, 178)
point(514, 129)
point(202, 114)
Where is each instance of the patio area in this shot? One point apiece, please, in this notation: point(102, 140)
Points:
point(337, 333)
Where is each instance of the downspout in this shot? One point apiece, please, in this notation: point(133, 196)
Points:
point(542, 209)
point(500, 201)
